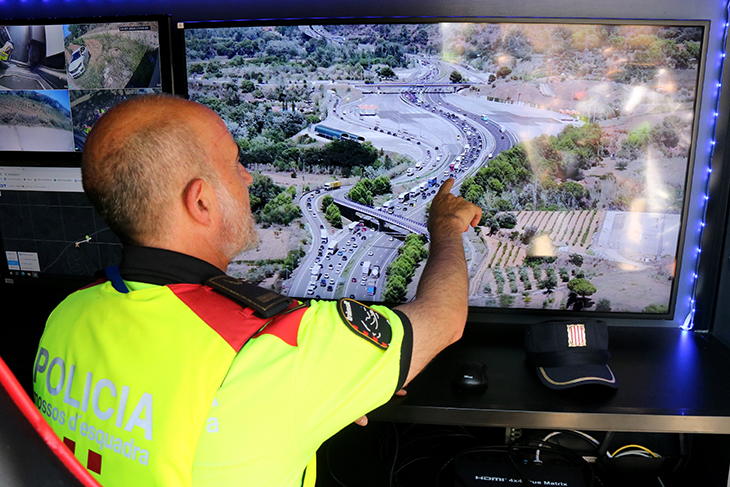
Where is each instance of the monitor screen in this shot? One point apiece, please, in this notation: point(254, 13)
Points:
point(57, 78)
point(576, 138)
point(49, 232)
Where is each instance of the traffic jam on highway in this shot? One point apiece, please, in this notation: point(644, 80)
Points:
point(352, 262)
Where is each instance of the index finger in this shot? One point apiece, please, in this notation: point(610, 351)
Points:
point(446, 187)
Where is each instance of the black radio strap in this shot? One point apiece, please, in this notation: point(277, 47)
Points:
point(265, 303)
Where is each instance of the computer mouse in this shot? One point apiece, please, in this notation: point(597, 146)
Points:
point(470, 377)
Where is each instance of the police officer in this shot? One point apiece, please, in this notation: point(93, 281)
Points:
point(172, 373)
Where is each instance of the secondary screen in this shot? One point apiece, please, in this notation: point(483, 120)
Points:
point(574, 139)
point(57, 80)
point(49, 228)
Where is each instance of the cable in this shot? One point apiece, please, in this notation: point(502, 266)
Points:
point(612, 455)
point(577, 433)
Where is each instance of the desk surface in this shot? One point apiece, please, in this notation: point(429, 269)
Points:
point(670, 381)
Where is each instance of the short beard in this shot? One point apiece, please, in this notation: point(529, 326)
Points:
point(239, 233)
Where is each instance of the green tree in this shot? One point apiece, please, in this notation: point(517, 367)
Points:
point(549, 283)
point(456, 77)
point(396, 289)
point(280, 210)
point(386, 72)
point(582, 287)
point(262, 190)
point(333, 216)
point(247, 86)
point(359, 193)
point(327, 200)
point(576, 260)
point(381, 185)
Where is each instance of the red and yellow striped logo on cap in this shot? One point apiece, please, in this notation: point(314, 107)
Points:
point(577, 336)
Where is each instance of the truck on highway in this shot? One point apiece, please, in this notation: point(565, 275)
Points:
point(316, 269)
point(388, 204)
point(371, 290)
point(432, 181)
point(366, 268)
point(332, 185)
point(403, 197)
point(332, 247)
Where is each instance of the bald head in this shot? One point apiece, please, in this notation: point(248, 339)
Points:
point(138, 159)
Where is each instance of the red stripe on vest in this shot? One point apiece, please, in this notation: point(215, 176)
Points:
point(235, 324)
point(285, 326)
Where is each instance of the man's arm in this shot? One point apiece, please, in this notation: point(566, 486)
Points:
point(438, 314)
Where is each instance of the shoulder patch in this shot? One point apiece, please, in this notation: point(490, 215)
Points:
point(366, 322)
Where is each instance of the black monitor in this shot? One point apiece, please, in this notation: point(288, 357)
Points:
point(50, 235)
point(57, 77)
point(576, 137)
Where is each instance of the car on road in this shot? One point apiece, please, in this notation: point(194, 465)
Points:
point(79, 59)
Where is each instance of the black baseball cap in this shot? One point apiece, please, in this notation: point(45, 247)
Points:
point(570, 353)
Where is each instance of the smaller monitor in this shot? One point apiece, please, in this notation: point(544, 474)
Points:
point(49, 232)
point(58, 77)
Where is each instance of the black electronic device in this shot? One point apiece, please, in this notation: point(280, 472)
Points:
point(470, 378)
point(576, 136)
point(49, 232)
point(57, 77)
point(470, 472)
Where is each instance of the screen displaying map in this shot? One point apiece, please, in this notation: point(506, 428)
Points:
point(49, 228)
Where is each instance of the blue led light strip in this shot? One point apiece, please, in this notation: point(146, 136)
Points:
point(689, 321)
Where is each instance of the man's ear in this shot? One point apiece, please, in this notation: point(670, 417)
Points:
point(198, 201)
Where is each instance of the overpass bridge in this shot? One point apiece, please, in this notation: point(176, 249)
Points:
point(385, 221)
point(396, 88)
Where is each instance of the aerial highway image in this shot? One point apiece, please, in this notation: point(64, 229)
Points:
point(574, 139)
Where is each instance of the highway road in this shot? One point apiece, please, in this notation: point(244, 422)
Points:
point(445, 133)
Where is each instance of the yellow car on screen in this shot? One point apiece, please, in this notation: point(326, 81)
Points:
point(6, 51)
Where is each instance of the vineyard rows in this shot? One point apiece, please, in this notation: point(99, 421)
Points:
point(505, 270)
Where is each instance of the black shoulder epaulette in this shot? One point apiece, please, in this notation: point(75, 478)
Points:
point(266, 303)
